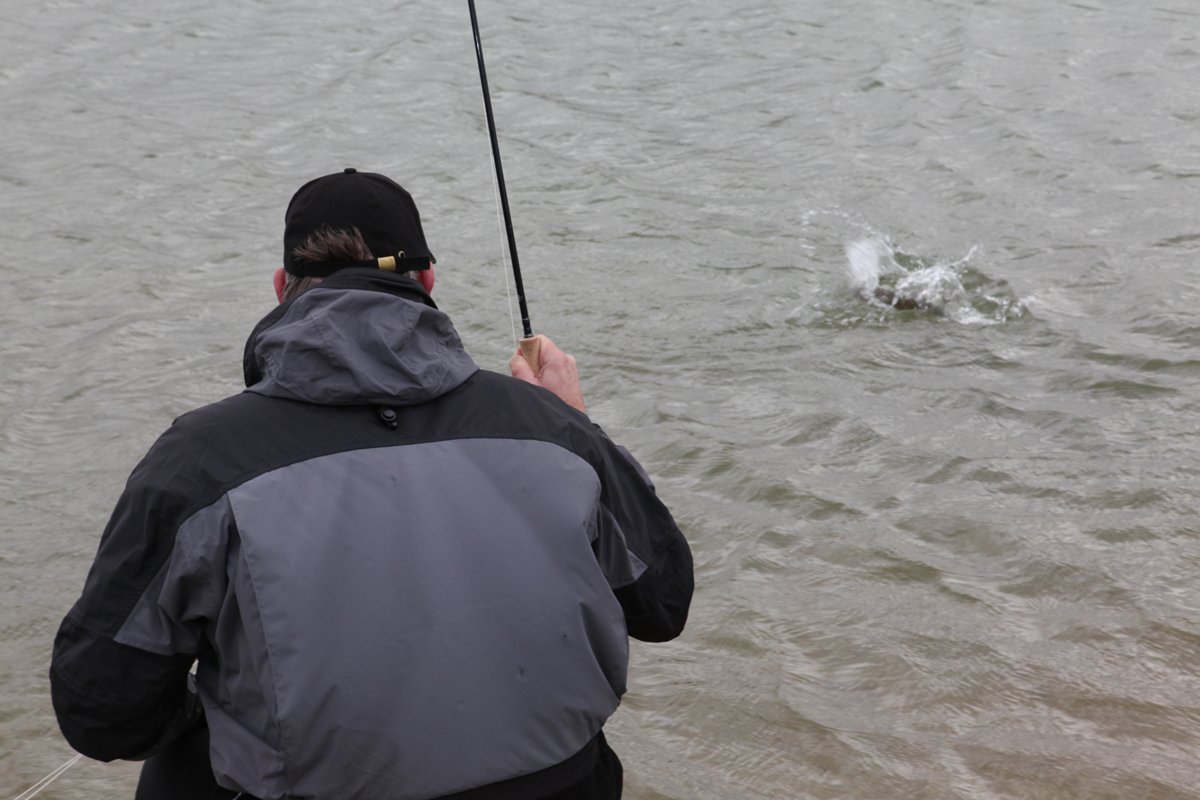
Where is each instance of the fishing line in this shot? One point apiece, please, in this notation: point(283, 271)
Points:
point(512, 316)
point(498, 175)
point(49, 779)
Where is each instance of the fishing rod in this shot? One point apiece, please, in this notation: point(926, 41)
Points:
point(529, 344)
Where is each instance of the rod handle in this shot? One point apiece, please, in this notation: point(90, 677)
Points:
point(531, 349)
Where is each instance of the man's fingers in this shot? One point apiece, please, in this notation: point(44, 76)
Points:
point(520, 369)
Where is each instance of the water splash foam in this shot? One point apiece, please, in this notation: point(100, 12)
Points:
point(888, 278)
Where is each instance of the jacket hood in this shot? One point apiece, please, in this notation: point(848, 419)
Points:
point(360, 337)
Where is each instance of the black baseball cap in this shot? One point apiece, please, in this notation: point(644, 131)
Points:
point(382, 211)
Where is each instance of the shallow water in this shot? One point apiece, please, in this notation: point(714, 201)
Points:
point(942, 553)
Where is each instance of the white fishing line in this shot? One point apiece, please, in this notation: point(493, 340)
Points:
point(49, 779)
point(504, 268)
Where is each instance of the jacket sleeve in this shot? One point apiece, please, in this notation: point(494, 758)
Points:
point(114, 701)
point(656, 592)
point(119, 683)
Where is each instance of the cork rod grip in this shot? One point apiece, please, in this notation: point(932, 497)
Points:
point(531, 349)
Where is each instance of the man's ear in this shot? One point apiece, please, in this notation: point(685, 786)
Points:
point(280, 277)
point(426, 278)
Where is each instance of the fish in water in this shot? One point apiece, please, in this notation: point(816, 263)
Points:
point(900, 302)
point(874, 273)
point(886, 278)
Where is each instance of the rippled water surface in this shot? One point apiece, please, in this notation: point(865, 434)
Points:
point(942, 552)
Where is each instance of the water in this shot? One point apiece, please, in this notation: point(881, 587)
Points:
point(946, 552)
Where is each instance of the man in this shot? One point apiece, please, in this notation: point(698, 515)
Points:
point(398, 576)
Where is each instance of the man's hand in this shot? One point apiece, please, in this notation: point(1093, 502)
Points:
point(555, 371)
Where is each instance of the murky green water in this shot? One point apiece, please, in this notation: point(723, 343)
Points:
point(943, 553)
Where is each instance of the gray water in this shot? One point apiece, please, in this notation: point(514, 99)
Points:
point(942, 553)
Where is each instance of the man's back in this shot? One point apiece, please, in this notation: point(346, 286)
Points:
point(402, 577)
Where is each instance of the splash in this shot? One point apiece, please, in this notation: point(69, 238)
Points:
point(866, 261)
point(888, 278)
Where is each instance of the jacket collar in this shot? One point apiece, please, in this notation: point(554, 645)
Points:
point(375, 280)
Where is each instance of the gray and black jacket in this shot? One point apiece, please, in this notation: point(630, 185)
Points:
point(398, 576)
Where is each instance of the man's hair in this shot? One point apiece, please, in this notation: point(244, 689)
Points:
point(327, 245)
